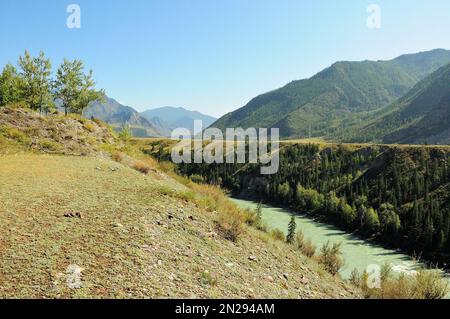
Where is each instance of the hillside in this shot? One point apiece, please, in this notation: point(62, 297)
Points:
point(421, 116)
point(337, 97)
point(125, 227)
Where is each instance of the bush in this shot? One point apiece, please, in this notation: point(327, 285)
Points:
point(15, 134)
point(425, 284)
point(277, 235)
point(230, 224)
point(331, 257)
point(117, 156)
point(142, 167)
point(206, 279)
point(306, 247)
point(429, 284)
point(89, 127)
point(49, 145)
point(125, 134)
point(197, 179)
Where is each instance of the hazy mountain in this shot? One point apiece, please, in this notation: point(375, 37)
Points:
point(118, 115)
point(336, 98)
point(421, 116)
point(151, 123)
point(177, 117)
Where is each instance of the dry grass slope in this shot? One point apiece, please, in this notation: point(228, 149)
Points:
point(133, 236)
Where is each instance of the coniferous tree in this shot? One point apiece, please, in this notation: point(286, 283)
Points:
point(291, 231)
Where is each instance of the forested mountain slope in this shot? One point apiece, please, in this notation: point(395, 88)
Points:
point(421, 116)
point(337, 97)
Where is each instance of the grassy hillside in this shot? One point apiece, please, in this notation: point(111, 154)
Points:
point(128, 228)
point(337, 97)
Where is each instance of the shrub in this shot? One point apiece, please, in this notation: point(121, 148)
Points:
point(117, 156)
point(15, 134)
point(206, 279)
point(429, 284)
point(197, 178)
point(164, 190)
point(230, 224)
point(277, 235)
point(251, 218)
point(306, 247)
point(142, 167)
point(49, 145)
point(89, 127)
point(355, 278)
point(125, 134)
point(331, 257)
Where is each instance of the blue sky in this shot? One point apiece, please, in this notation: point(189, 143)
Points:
point(215, 55)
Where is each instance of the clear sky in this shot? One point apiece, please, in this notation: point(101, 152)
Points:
point(215, 55)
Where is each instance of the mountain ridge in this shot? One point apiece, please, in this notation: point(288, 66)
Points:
point(336, 97)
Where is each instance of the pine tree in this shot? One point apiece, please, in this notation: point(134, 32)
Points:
point(291, 231)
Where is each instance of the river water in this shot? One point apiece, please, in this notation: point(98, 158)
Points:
point(357, 253)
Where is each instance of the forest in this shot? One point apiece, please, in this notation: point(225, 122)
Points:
point(397, 196)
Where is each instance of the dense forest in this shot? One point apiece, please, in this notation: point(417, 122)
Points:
point(399, 196)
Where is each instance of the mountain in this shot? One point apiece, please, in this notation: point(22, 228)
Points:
point(337, 97)
point(177, 117)
point(118, 116)
point(421, 116)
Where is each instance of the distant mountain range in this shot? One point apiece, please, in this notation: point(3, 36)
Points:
point(177, 117)
point(348, 96)
point(151, 123)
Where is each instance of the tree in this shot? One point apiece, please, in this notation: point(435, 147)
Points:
point(74, 88)
point(291, 231)
point(36, 84)
point(390, 221)
point(10, 85)
point(125, 134)
point(372, 222)
point(259, 212)
point(331, 257)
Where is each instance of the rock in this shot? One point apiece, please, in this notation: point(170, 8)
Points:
point(253, 258)
point(304, 280)
point(98, 168)
point(286, 276)
point(269, 278)
point(74, 215)
point(118, 225)
point(229, 265)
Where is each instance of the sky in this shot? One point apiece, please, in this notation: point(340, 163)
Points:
point(215, 55)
